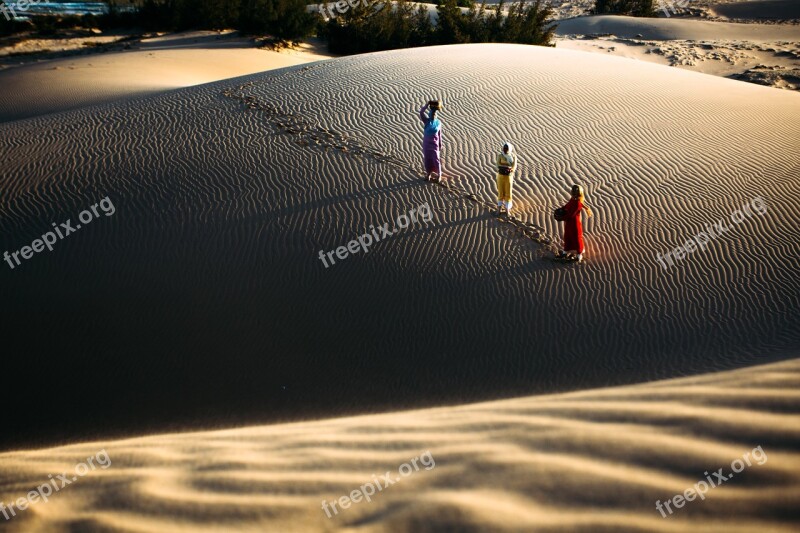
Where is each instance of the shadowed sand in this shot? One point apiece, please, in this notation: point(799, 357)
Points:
point(596, 460)
point(759, 9)
point(202, 302)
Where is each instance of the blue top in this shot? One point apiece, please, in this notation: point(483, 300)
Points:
point(432, 136)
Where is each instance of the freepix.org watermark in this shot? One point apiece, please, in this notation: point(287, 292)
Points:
point(44, 491)
point(713, 231)
point(691, 494)
point(10, 10)
point(375, 235)
point(664, 4)
point(342, 6)
point(367, 490)
point(59, 232)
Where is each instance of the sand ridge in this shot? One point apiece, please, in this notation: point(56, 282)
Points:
point(594, 460)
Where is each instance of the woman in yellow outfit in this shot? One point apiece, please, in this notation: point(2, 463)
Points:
point(506, 165)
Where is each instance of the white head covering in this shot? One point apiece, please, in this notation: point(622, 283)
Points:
point(511, 156)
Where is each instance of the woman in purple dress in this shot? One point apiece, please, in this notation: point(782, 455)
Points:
point(432, 140)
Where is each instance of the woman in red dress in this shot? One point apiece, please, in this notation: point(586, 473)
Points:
point(573, 230)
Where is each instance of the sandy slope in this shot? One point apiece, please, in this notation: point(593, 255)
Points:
point(772, 64)
point(596, 460)
point(765, 54)
point(756, 10)
point(151, 66)
point(202, 301)
point(676, 28)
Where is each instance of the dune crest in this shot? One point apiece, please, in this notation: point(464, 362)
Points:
point(593, 460)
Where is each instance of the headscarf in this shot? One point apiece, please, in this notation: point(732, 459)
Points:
point(511, 156)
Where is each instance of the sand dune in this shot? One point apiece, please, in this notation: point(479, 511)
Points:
point(595, 460)
point(760, 9)
point(202, 301)
point(196, 300)
point(151, 66)
point(764, 54)
point(677, 28)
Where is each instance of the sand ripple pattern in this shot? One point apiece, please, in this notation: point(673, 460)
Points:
point(595, 460)
point(208, 276)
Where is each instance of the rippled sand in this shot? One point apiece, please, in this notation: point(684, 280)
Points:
point(201, 303)
point(596, 460)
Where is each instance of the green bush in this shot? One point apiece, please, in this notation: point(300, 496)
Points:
point(11, 26)
point(285, 19)
point(634, 8)
point(459, 3)
point(379, 26)
point(383, 27)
